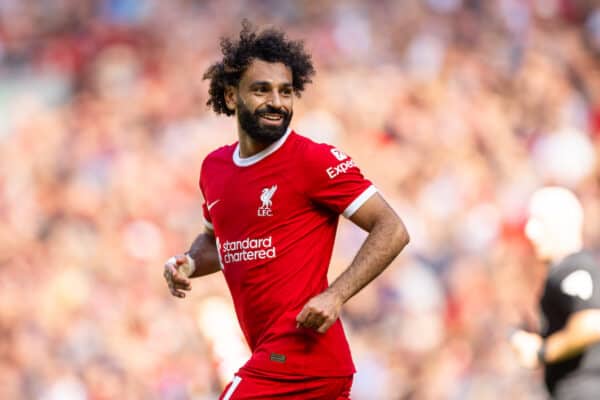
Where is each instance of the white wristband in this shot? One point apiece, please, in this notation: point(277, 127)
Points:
point(189, 267)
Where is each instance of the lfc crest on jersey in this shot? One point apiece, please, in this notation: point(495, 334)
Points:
point(266, 195)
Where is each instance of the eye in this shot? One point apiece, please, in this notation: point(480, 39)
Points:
point(286, 92)
point(261, 90)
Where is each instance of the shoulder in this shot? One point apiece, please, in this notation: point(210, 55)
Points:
point(219, 155)
point(576, 262)
point(577, 275)
point(316, 154)
point(215, 163)
point(221, 152)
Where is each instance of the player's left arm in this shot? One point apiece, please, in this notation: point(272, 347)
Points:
point(387, 237)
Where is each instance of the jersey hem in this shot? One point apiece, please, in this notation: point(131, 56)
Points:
point(267, 369)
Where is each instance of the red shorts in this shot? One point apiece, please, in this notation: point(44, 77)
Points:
point(247, 386)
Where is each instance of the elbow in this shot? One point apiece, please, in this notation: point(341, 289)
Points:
point(402, 237)
point(405, 238)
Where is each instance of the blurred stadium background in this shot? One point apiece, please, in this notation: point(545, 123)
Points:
point(457, 109)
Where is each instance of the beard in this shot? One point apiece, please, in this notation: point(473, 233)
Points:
point(251, 124)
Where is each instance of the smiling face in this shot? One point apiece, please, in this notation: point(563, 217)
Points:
point(263, 100)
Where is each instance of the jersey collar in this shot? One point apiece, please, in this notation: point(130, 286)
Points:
point(272, 148)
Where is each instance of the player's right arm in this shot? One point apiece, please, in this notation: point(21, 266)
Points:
point(201, 259)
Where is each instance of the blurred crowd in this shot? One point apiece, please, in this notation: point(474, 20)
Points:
point(456, 109)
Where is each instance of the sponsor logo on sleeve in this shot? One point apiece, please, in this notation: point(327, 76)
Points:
point(341, 168)
point(339, 155)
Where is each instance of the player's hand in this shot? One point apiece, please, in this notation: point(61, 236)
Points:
point(320, 312)
point(175, 276)
point(526, 345)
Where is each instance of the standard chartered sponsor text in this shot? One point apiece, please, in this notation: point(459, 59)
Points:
point(248, 249)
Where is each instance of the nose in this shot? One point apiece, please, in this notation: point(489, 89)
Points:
point(274, 99)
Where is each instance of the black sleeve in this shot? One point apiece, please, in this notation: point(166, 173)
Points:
point(580, 287)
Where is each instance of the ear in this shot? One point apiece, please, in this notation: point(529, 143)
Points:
point(230, 97)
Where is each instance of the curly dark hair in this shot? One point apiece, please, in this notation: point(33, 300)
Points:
point(269, 45)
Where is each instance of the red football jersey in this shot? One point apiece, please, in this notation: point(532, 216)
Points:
point(275, 216)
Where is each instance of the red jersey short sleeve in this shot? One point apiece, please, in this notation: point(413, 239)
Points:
point(275, 217)
point(334, 180)
point(206, 206)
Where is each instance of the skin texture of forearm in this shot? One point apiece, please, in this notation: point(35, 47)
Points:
point(582, 331)
point(204, 253)
point(384, 242)
point(562, 346)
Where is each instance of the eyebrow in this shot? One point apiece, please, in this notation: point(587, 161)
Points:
point(267, 83)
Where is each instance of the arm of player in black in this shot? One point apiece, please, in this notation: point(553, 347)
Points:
point(581, 294)
point(202, 255)
point(580, 290)
point(581, 331)
point(387, 237)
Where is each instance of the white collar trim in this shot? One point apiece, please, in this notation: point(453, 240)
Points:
point(273, 147)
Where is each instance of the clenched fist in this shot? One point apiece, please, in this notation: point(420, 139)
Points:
point(320, 312)
point(526, 346)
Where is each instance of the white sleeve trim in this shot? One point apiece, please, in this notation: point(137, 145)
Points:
point(234, 384)
point(359, 201)
point(207, 224)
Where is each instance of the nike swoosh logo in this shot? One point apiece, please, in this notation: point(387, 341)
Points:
point(211, 205)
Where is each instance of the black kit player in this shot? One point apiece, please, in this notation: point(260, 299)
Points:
point(569, 344)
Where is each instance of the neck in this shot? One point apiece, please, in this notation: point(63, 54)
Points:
point(249, 146)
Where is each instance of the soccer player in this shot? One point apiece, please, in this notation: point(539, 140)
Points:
point(569, 345)
point(271, 207)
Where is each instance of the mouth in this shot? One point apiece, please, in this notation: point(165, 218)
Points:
point(271, 118)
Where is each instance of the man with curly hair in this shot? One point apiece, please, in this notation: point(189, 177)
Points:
point(272, 202)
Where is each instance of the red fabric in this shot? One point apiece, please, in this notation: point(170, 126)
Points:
point(253, 386)
point(275, 253)
point(595, 122)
